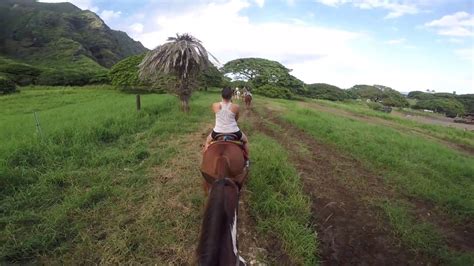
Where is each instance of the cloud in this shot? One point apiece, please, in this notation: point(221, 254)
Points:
point(260, 3)
point(82, 4)
point(465, 54)
point(396, 8)
point(229, 35)
point(396, 41)
point(108, 15)
point(136, 27)
point(455, 40)
point(459, 24)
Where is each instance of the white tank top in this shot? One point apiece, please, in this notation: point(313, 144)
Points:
point(225, 120)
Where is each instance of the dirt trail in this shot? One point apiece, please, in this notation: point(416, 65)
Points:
point(401, 128)
point(350, 228)
point(178, 178)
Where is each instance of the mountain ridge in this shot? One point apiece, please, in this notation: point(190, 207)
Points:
point(44, 33)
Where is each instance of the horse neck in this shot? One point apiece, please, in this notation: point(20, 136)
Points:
point(218, 240)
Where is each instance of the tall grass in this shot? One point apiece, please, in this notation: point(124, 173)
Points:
point(452, 134)
point(421, 236)
point(95, 150)
point(418, 166)
point(278, 202)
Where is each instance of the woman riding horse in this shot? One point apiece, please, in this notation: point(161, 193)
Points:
point(227, 115)
point(224, 168)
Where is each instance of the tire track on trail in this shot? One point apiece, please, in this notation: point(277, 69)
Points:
point(350, 230)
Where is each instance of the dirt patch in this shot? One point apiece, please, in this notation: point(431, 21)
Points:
point(250, 246)
point(442, 121)
point(350, 229)
point(401, 128)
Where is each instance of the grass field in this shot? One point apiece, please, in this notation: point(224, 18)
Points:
point(104, 183)
point(418, 167)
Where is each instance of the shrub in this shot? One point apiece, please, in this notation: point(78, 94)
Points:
point(419, 95)
point(124, 74)
point(71, 77)
point(450, 107)
point(326, 92)
point(21, 74)
point(386, 95)
point(468, 101)
point(6, 85)
point(375, 106)
point(274, 92)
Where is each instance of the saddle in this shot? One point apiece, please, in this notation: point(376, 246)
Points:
point(227, 137)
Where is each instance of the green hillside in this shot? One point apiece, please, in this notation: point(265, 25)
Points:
point(48, 35)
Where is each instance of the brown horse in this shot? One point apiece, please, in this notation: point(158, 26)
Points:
point(248, 100)
point(224, 173)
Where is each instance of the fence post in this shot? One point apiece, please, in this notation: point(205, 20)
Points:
point(139, 104)
point(38, 126)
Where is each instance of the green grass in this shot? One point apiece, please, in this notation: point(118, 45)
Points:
point(66, 193)
point(278, 202)
point(418, 166)
point(107, 184)
point(421, 236)
point(451, 134)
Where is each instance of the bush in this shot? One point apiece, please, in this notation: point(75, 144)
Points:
point(124, 74)
point(21, 74)
point(375, 106)
point(274, 92)
point(71, 77)
point(6, 85)
point(419, 95)
point(326, 92)
point(450, 107)
point(468, 101)
point(386, 95)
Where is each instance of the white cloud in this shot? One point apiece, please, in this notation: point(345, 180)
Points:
point(108, 15)
point(466, 54)
point(455, 40)
point(260, 3)
point(396, 8)
point(459, 24)
point(82, 4)
point(136, 27)
point(230, 35)
point(396, 41)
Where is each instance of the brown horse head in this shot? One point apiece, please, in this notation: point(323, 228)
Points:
point(218, 240)
point(223, 168)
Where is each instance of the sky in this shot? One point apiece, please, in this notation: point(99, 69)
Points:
point(407, 45)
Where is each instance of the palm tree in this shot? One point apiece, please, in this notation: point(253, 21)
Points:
point(182, 57)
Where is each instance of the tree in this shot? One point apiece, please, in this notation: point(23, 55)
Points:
point(125, 73)
point(326, 91)
point(6, 85)
point(183, 57)
point(379, 93)
point(211, 77)
point(450, 107)
point(259, 72)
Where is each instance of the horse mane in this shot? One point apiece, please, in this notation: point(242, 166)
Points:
point(215, 224)
point(222, 167)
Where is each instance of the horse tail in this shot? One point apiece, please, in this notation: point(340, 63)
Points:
point(215, 224)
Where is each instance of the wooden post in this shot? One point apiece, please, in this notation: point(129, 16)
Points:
point(139, 104)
